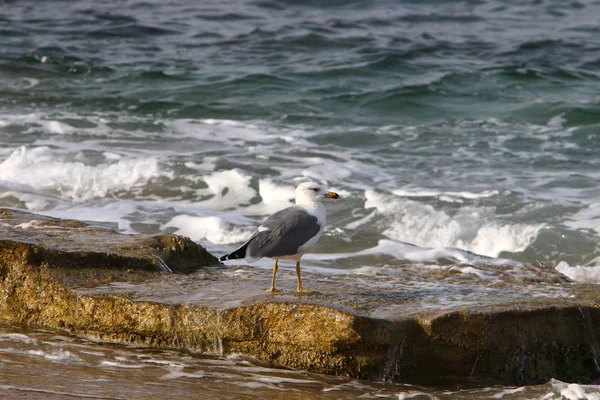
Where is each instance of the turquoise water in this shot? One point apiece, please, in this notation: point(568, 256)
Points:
point(468, 125)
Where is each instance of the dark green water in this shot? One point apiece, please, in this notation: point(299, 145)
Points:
point(464, 124)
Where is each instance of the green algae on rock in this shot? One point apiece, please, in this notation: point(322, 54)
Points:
point(521, 328)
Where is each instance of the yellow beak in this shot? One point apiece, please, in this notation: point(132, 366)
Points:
point(332, 195)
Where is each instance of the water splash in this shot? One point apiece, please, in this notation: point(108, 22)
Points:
point(163, 266)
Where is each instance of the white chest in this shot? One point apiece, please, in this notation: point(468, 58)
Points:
point(318, 210)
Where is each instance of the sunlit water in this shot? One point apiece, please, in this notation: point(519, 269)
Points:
point(448, 125)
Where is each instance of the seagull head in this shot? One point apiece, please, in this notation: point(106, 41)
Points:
point(310, 192)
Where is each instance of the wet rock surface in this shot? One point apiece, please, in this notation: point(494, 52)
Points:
point(427, 324)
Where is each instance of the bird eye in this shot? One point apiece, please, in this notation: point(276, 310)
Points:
point(314, 189)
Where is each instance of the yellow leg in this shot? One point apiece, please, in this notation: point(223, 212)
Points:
point(272, 288)
point(299, 287)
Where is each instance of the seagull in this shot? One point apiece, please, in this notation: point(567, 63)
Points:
point(288, 233)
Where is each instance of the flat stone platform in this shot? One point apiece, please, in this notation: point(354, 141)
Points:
point(425, 324)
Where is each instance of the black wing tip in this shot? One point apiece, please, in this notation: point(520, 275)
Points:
point(236, 255)
point(231, 256)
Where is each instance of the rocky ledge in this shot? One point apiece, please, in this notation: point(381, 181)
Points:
point(447, 325)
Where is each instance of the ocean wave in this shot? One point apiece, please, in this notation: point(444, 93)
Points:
point(42, 170)
point(467, 126)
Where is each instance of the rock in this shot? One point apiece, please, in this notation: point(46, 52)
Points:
point(420, 324)
point(76, 245)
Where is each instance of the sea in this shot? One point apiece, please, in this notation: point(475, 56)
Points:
point(454, 132)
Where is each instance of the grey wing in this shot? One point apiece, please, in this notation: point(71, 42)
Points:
point(285, 232)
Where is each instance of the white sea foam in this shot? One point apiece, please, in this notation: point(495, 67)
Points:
point(42, 169)
point(586, 218)
point(121, 365)
point(54, 124)
point(113, 211)
point(211, 228)
point(208, 164)
point(278, 379)
point(450, 194)
point(112, 156)
point(474, 271)
point(232, 190)
point(579, 273)
point(274, 195)
point(22, 83)
point(31, 201)
point(229, 189)
point(28, 225)
point(212, 128)
point(494, 238)
point(470, 228)
point(176, 374)
point(58, 355)
point(323, 169)
point(21, 119)
point(93, 353)
point(168, 363)
point(557, 121)
point(411, 253)
point(413, 394)
point(507, 392)
point(359, 222)
point(573, 391)
point(227, 210)
point(57, 127)
point(238, 273)
point(17, 337)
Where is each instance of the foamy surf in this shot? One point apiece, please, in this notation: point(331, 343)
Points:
point(445, 196)
point(208, 195)
point(43, 169)
point(473, 228)
point(578, 273)
point(409, 253)
point(210, 228)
